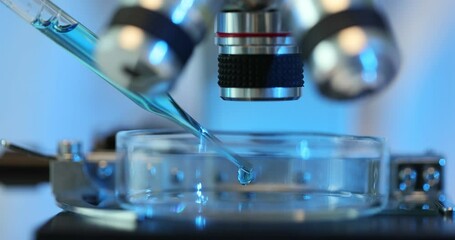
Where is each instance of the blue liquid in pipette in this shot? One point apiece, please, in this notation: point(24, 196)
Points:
point(81, 42)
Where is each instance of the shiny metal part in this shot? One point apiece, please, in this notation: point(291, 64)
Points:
point(353, 63)
point(259, 41)
point(147, 64)
point(193, 16)
point(305, 14)
point(70, 151)
point(417, 177)
point(6, 145)
point(86, 187)
point(139, 56)
point(111, 212)
point(264, 94)
point(431, 176)
point(245, 34)
point(250, 22)
point(351, 60)
point(445, 207)
point(408, 177)
point(253, 33)
point(254, 50)
point(75, 191)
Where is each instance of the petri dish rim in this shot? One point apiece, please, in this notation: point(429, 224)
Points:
point(142, 136)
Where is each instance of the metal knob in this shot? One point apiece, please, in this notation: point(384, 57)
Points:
point(408, 178)
point(70, 151)
point(431, 177)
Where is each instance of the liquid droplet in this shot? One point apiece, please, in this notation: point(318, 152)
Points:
point(245, 177)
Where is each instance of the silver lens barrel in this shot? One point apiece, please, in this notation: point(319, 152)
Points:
point(258, 59)
point(347, 45)
point(149, 42)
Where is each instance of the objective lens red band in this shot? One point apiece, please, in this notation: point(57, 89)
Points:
point(244, 35)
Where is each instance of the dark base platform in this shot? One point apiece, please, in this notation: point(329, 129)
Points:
point(396, 224)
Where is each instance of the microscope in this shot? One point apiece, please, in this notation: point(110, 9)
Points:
point(349, 52)
point(347, 46)
point(261, 49)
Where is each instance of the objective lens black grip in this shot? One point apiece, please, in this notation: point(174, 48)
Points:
point(260, 71)
point(158, 26)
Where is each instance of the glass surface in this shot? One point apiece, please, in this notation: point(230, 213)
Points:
point(298, 176)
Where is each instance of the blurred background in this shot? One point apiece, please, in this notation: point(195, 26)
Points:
point(48, 95)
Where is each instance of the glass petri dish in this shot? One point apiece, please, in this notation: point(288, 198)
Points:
point(298, 176)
